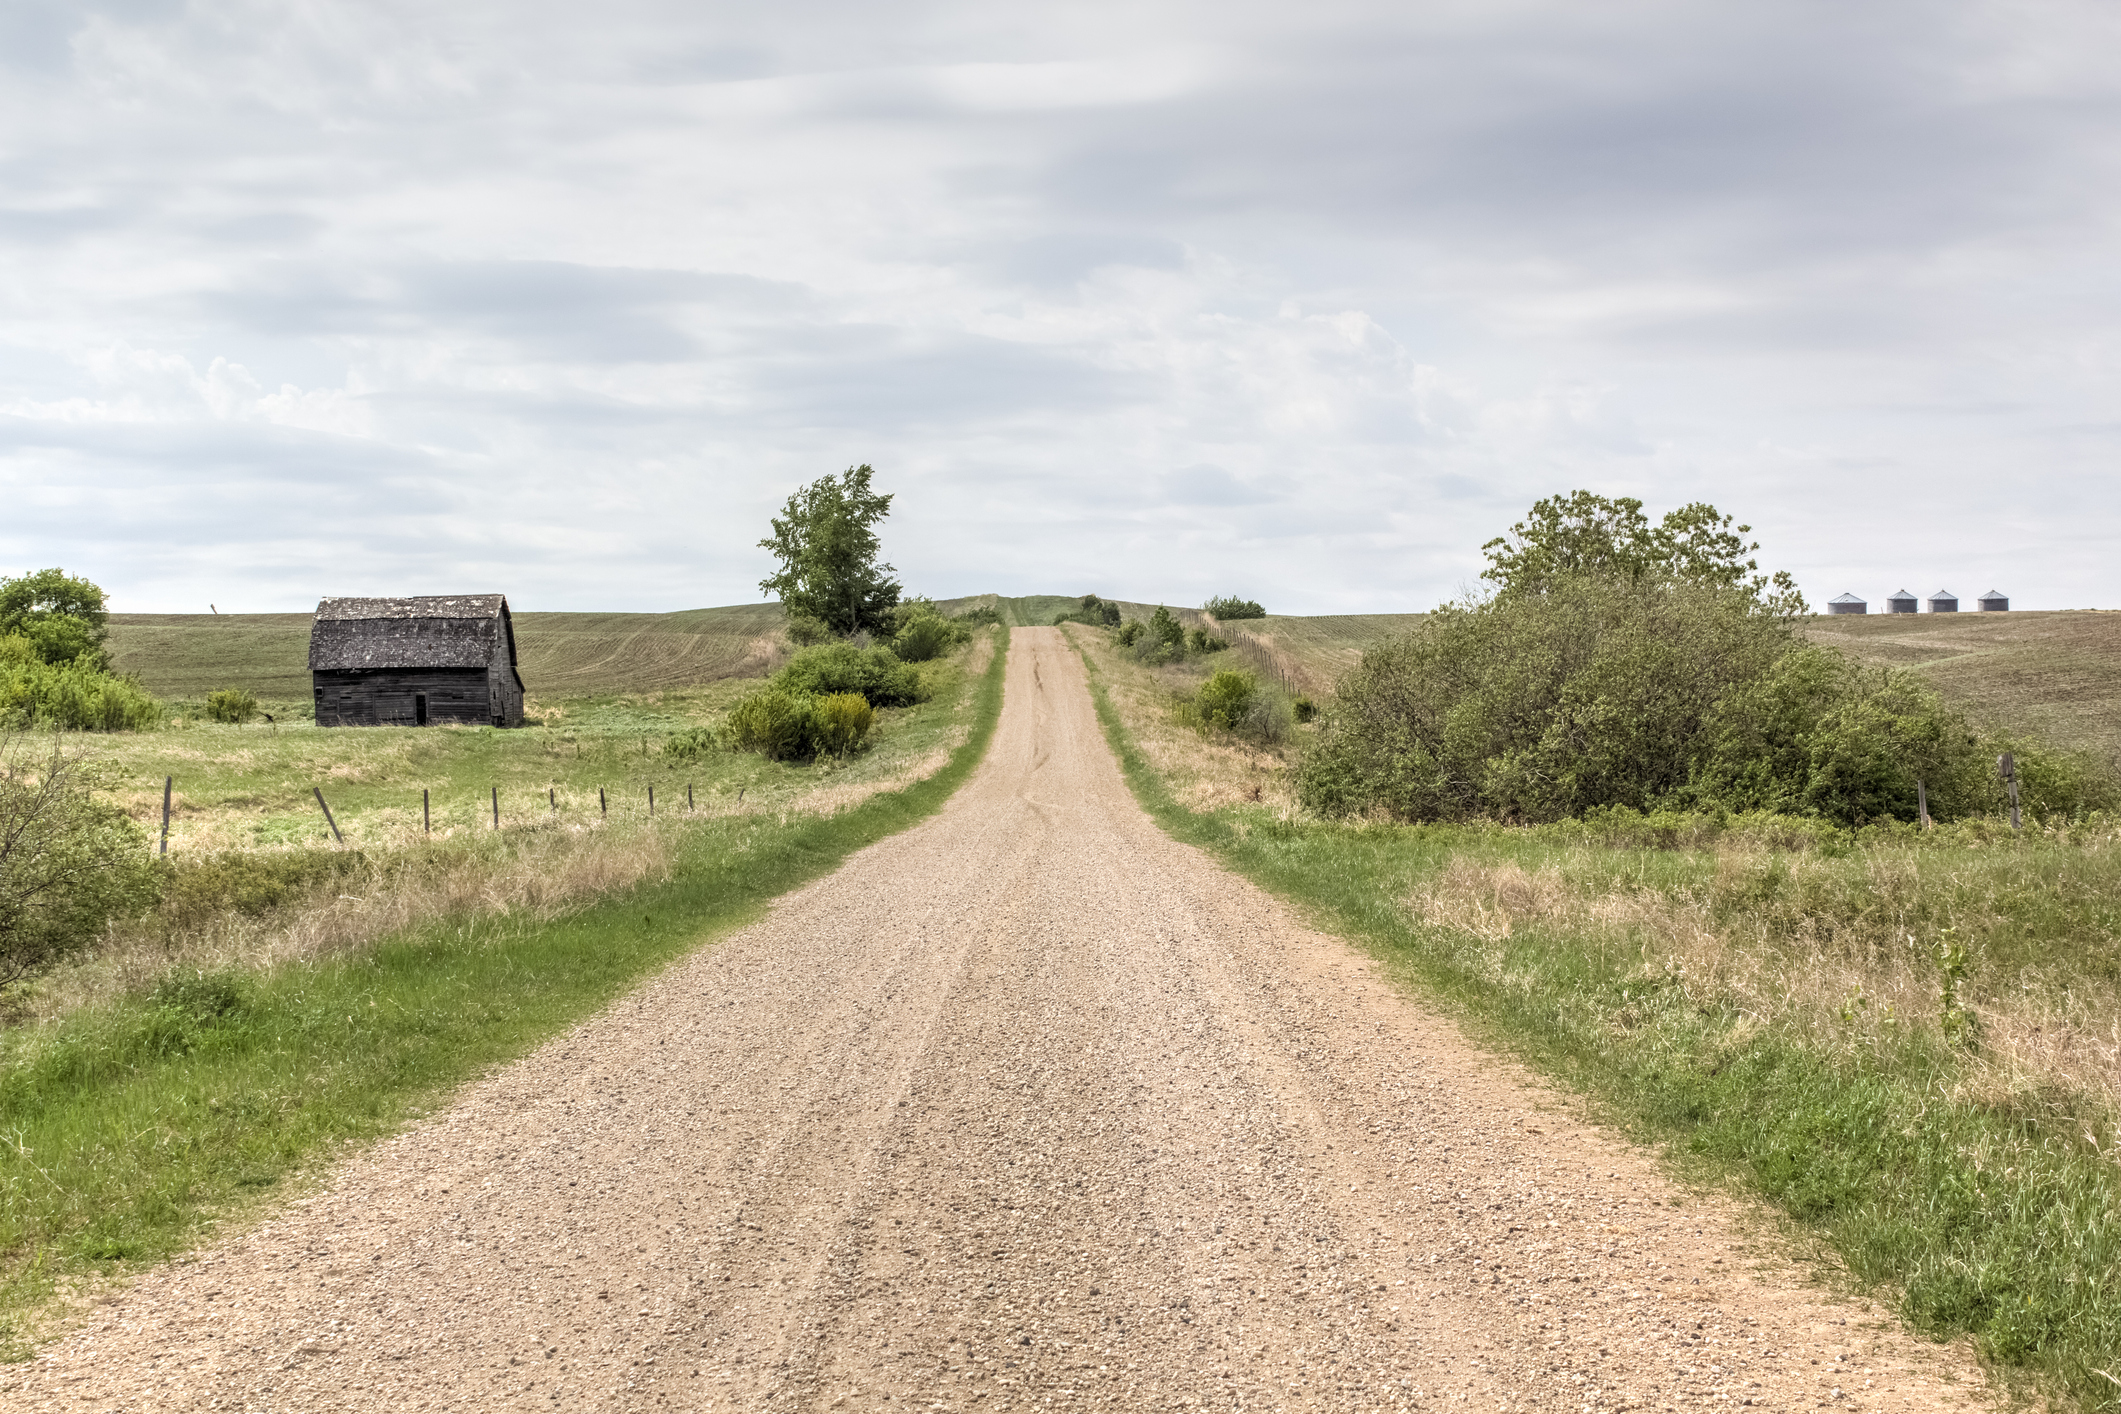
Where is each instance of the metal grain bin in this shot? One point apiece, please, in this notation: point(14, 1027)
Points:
point(1847, 604)
point(1994, 602)
point(1902, 603)
point(1944, 602)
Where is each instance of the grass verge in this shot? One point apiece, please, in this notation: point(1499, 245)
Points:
point(126, 1130)
point(1995, 1215)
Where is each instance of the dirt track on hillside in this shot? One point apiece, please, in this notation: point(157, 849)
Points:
point(1026, 1107)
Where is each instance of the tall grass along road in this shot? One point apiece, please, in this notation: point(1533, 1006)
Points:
point(1028, 1106)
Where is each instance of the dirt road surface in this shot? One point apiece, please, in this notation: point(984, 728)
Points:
point(1028, 1107)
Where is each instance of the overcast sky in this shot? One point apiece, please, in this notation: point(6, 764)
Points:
point(1161, 300)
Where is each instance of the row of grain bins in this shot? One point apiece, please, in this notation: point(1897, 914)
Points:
point(1942, 602)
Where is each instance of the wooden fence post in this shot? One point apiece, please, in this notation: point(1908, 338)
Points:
point(497, 807)
point(603, 806)
point(552, 793)
point(167, 782)
point(427, 814)
point(651, 802)
point(1922, 803)
point(688, 797)
point(2007, 767)
point(318, 792)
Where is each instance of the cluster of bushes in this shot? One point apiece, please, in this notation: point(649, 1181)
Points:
point(54, 670)
point(232, 705)
point(1228, 606)
point(1096, 612)
point(822, 702)
point(1652, 692)
point(1233, 701)
point(1163, 639)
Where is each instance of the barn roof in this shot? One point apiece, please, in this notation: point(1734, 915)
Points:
point(425, 631)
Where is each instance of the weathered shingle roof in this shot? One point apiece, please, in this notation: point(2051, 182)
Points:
point(430, 631)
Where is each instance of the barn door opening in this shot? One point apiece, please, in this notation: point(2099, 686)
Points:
point(419, 709)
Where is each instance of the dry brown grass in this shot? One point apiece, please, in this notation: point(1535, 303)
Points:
point(2044, 1034)
point(1203, 772)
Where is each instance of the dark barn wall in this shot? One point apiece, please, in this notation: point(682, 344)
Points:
point(385, 697)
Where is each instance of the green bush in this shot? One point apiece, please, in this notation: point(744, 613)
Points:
point(231, 704)
point(1304, 709)
point(1164, 628)
point(985, 616)
point(1201, 641)
point(691, 744)
point(805, 630)
point(876, 673)
point(68, 863)
point(841, 722)
point(72, 696)
point(1130, 633)
point(1648, 693)
point(1226, 698)
point(1096, 612)
point(923, 633)
point(1229, 606)
point(775, 723)
point(61, 618)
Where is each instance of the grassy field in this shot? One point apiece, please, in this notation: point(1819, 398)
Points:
point(1905, 1043)
point(182, 657)
point(2056, 675)
point(136, 1120)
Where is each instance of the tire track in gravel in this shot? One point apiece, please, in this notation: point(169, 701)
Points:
point(1026, 1107)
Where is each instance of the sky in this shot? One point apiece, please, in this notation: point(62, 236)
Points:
point(1156, 300)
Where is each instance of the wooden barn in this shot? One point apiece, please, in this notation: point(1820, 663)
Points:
point(415, 662)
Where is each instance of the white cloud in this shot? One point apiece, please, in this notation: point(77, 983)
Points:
point(1157, 300)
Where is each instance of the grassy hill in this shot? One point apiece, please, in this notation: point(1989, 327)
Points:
point(2054, 674)
point(185, 656)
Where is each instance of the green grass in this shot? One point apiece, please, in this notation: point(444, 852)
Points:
point(1990, 1212)
point(128, 1129)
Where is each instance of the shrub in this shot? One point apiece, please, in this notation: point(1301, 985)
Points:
point(1648, 693)
point(805, 630)
point(1229, 606)
point(73, 696)
point(1130, 633)
point(690, 744)
point(775, 723)
point(876, 673)
point(1226, 698)
point(231, 704)
point(985, 615)
point(1304, 709)
point(841, 721)
point(1096, 612)
point(200, 887)
point(68, 863)
point(1201, 641)
point(923, 633)
point(1164, 628)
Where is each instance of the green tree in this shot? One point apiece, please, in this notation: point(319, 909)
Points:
point(63, 618)
point(1582, 534)
point(826, 541)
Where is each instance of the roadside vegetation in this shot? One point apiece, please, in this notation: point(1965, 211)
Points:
point(1904, 1039)
point(54, 667)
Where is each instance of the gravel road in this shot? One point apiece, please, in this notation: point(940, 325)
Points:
point(1026, 1107)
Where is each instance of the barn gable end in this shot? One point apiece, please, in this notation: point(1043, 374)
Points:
point(415, 661)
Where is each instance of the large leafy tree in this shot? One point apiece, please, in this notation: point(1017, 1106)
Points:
point(826, 541)
point(1584, 534)
point(62, 617)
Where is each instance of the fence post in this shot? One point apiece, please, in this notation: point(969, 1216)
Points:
point(427, 815)
point(651, 802)
point(1922, 803)
point(603, 806)
point(318, 792)
point(552, 793)
point(688, 797)
point(167, 782)
point(2007, 766)
point(497, 807)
